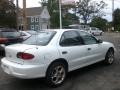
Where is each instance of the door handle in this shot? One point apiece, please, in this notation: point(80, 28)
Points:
point(64, 52)
point(89, 49)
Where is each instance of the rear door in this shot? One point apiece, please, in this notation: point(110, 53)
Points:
point(72, 49)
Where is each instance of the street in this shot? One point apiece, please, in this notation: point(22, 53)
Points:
point(93, 77)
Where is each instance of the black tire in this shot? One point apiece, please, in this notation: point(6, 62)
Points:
point(109, 58)
point(56, 74)
point(101, 34)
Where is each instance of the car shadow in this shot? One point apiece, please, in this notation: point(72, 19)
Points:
point(79, 76)
point(35, 84)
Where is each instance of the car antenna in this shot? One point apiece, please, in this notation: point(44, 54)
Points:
point(36, 40)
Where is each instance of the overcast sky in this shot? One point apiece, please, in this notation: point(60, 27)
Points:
point(108, 9)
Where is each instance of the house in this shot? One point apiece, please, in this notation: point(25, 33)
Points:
point(37, 18)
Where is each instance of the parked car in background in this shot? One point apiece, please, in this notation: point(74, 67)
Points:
point(8, 37)
point(54, 53)
point(26, 34)
point(94, 31)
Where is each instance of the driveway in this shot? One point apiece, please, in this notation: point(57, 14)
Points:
point(93, 77)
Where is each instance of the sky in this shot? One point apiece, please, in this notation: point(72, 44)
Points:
point(107, 10)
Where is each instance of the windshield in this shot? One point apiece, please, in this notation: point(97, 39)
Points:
point(10, 34)
point(42, 38)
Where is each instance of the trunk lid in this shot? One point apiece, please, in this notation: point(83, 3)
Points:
point(12, 50)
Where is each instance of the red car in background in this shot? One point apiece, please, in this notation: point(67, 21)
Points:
point(7, 37)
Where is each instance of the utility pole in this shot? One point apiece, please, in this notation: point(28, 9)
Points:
point(78, 6)
point(113, 15)
point(24, 16)
point(60, 14)
point(17, 13)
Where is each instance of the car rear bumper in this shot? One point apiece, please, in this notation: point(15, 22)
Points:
point(23, 71)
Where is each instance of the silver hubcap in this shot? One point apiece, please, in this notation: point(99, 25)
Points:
point(110, 57)
point(58, 75)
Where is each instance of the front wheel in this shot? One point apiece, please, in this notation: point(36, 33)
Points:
point(109, 58)
point(56, 74)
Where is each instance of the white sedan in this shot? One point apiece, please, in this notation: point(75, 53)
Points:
point(94, 31)
point(54, 53)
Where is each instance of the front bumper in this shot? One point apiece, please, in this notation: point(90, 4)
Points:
point(23, 71)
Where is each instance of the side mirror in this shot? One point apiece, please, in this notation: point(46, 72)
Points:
point(100, 41)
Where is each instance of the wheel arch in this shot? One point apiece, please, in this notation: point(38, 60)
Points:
point(111, 48)
point(61, 60)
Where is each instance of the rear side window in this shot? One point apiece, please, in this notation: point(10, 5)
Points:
point(70, 38)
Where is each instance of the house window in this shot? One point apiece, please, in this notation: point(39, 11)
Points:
point(37, 19)
point(32, 27)
point(36, 27)
point(32, 19)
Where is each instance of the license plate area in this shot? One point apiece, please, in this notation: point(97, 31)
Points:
point(6, 69)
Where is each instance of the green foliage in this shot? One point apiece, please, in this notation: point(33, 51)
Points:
point(99, 23)
point(87, 9)
point(7, 14)
point(53, 8)
point(67, 18)
point(116, 21)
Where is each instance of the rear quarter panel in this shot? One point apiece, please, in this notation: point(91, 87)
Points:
point(43, 55)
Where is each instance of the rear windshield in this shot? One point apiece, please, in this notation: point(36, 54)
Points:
point(10, 34)
point(42, 38)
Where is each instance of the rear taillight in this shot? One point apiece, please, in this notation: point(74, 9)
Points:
point(25, 56)
point(3, 40)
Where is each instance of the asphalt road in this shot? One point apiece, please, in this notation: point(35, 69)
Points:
point(94, 77)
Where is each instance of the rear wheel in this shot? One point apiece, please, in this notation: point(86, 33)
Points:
point(56, 74)
point(109, 59)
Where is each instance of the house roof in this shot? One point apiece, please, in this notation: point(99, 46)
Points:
point(34, 11)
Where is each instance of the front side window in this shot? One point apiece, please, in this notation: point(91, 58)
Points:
point(42, 38)
point(87, 38)
point(70, 38)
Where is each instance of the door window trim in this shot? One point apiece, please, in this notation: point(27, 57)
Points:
point(82, 43)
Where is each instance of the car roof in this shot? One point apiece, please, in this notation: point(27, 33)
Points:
point(61, 30)
point(7, 30)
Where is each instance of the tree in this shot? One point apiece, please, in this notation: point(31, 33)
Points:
point(116, 19)
point(53, 8)
point(99, 23)
point(43, 2)
point(69, 19)
point(87, 9)
point(7, 14)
